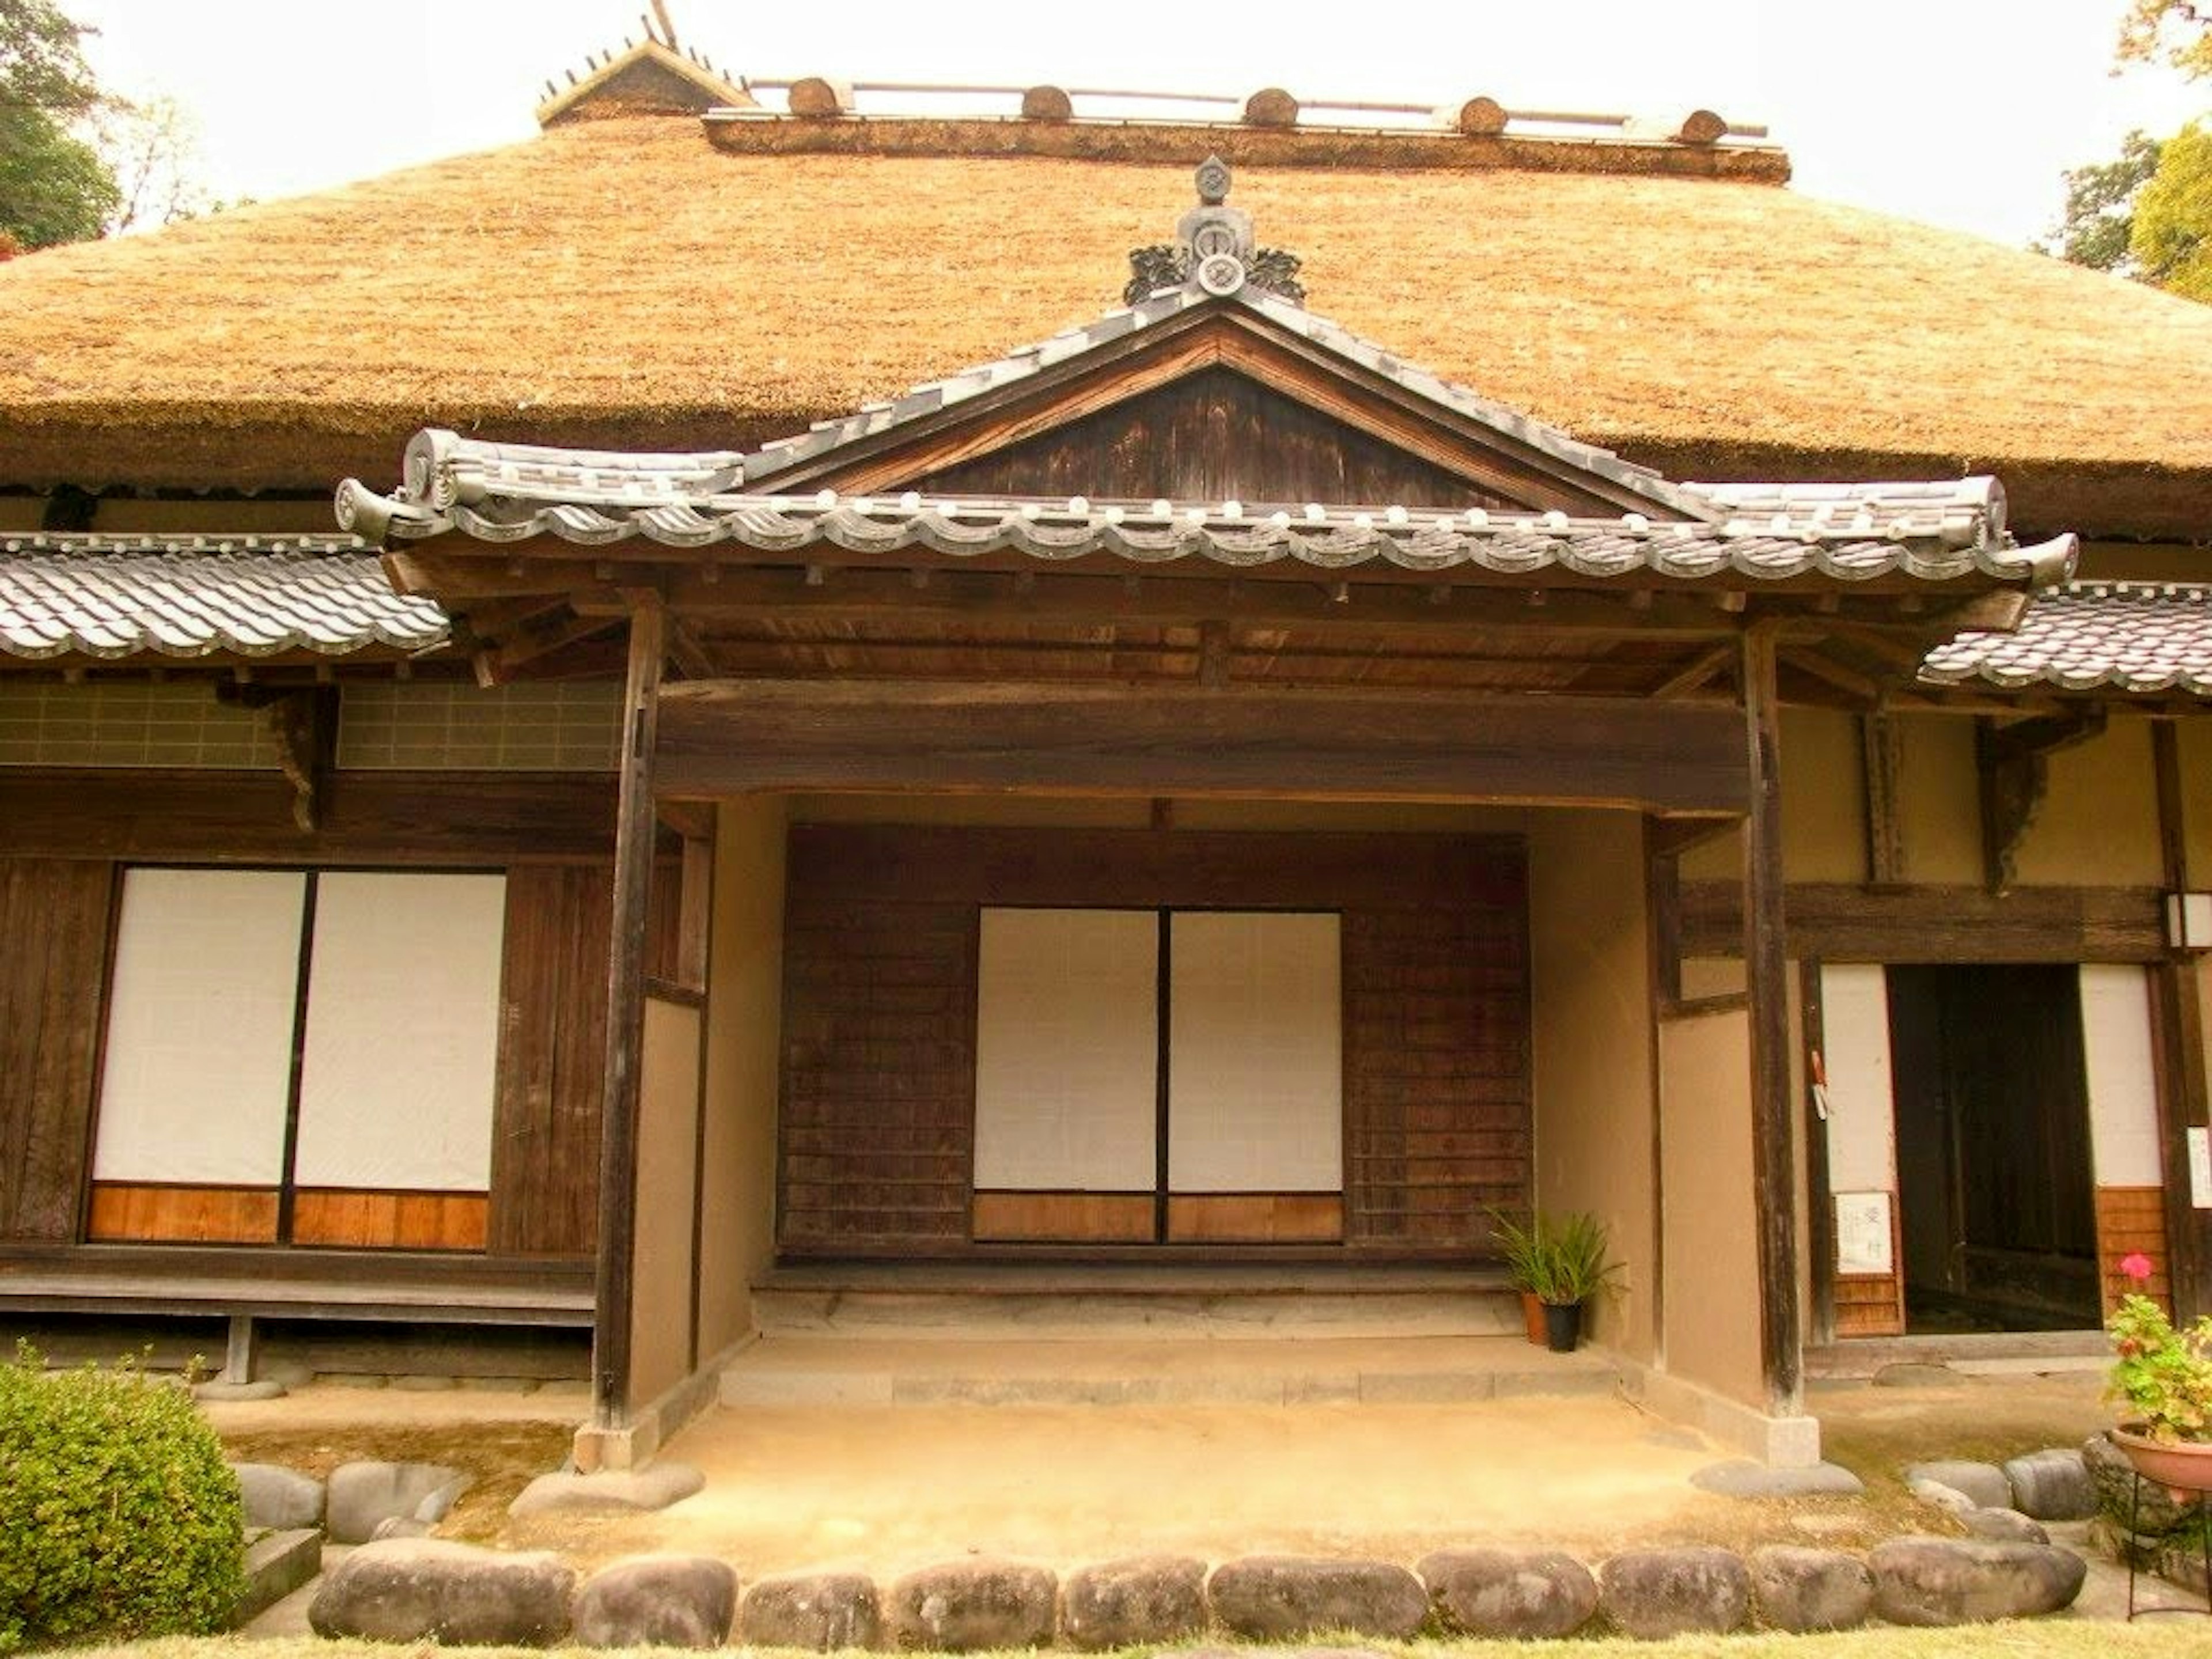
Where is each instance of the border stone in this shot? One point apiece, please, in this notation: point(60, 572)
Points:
point(822, 1611)
point(610, 1491)
point(276, 1564)
point(1984, 1483)
point(1949, 1581)
point(657, 1601)
point(962, 1607)
point(1654, 1593)
point(1139, 1599)
point(360, 1495)
point(2004, 1527)
point(1284, 1598)
point(1741, 1477)
point(1513, 1594)
point(278, 1498)
point(1801, 1590)
point(418, 1589)
point(2052, 1484)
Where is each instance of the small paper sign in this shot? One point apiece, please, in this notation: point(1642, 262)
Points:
point(2200, 1166)
point(1862, 1234)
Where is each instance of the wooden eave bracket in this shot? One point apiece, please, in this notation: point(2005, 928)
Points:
point(2011, 764)
point(304, 722)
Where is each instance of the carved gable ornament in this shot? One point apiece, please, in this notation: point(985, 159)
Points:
point(1214, 251)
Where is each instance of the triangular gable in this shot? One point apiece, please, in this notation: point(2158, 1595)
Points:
point(1217, 388)
point(649, 78)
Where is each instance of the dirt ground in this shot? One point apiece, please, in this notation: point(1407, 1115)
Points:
point(883, 1490)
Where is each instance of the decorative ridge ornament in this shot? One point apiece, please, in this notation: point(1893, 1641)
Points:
point(1215, 251)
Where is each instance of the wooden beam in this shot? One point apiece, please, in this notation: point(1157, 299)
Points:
point(1844, 922)
point(689, 655)
point(1855, 686)
point(2011, 770)
point(2185, 1092)
point(1821, 1220)
point(724, 737)
point(627, 930)
point(1766, 973)
point(501, 663)
point(1882, 751)
point(1699, 670)
point(447, 819)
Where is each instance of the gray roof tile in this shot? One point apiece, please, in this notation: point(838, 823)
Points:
point(115, 596)
point(2138, 637)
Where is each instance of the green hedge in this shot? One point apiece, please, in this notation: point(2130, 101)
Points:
point(118, 1517)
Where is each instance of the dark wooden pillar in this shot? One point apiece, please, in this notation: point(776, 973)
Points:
point(2183, 1090)
point(635, 829)
point(1767, 975)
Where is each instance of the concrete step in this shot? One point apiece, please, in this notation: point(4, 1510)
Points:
point(797, 1369)
point(959, 1305)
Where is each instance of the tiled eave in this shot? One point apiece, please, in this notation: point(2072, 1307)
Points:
point(109, 597)
point(1846, 541)
point(2139, 638)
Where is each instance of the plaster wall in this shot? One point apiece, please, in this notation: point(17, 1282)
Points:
point(744, 1014)
point(1712, 1284)
point(2098, 822)
point(667, 1180)
point(2194, 745)
point(1590, 977)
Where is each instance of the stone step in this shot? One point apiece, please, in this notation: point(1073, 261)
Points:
point(970, 1306)
point(847, 1370)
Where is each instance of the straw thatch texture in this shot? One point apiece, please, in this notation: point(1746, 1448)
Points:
point(621, 282)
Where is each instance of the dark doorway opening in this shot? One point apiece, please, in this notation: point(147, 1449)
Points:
point(1998, 1204)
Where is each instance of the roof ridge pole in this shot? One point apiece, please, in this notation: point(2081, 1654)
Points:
point(626, 935)
point(1767, 975)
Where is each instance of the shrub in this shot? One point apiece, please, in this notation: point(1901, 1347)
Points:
point(118, 1517)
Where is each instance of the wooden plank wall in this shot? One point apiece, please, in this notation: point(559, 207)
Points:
point(878, 1064)
point(53, 919)
point(2130, 1218)
point(61, 836)
point(1214, 435)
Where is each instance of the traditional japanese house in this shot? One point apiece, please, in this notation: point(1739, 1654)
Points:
point(1220, 785)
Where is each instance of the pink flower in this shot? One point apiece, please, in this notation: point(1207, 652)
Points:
point(2136, 1266)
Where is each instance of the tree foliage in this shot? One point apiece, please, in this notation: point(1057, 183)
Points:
point(2171, 242)
point(2175, 31)
point(2100, 200)
point(54, 186)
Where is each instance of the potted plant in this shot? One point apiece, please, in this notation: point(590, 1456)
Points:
point(2163, 1377)
point(1557, 1263)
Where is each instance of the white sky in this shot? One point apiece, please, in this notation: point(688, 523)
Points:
point(1960, 113)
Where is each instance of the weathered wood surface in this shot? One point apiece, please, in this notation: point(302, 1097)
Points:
point(2184, 1091)
point(1766, 973)
point(630, 929)
point(879, 1012)
point(420, 818)
point(1256, 1218)
point(1016, 1218)
point(1846, 922)
point(1258, 352)
point(1214, 436)
point(720, 737)
point(54, 916)
point(552, 1043)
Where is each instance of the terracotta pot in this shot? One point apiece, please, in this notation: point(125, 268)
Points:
point(2184, 1467)
point(1532, 1316)
point(1563, 1326)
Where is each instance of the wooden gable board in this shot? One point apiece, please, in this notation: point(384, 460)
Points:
point(1142, 403)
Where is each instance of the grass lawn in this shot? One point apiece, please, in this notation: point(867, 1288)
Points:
point(2050, 1639)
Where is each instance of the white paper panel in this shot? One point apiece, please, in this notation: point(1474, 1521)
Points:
point(2116, 1051)
point(1861, 1103)
point(1255, 1066)
point(199, 1064)
point(403, 1029)
point(1067, 1050)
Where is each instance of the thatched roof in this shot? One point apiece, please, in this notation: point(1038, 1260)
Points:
point(623, 284)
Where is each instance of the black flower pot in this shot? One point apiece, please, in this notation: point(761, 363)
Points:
point(1563, 1326)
